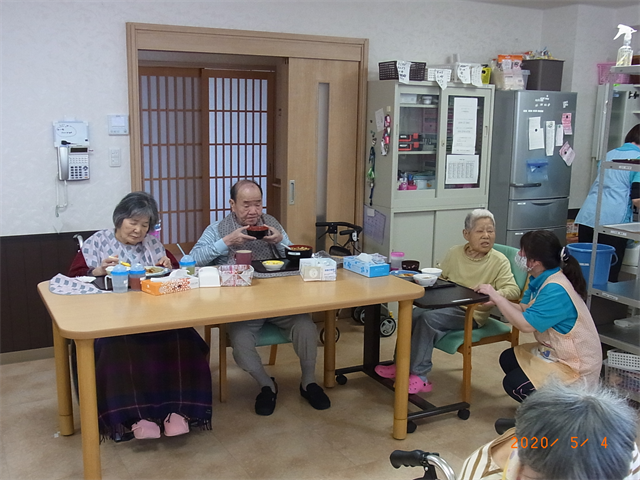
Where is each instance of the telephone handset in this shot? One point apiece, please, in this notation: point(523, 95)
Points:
point(73, 162)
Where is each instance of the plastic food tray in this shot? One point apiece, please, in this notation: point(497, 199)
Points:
point(619, 359)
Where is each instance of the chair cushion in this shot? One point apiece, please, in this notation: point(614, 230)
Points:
point(271, 335)
point(452, 340)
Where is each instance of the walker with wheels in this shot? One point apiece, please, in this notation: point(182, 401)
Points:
point(351, 246)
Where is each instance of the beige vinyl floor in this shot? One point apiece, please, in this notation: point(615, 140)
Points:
point(351, 440)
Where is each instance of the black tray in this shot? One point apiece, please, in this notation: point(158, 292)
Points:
point(440, 283)
point(287, 267)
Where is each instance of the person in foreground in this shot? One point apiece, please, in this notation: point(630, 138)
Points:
point(469, 265)
point(621, 190)
point(217, 246)
point(553, 309)
point(563, 432)
point(148, 382)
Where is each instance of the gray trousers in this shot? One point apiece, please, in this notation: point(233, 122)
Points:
point(429, 326)
point(299, 329)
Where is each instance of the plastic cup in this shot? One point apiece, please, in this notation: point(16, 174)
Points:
point(188, 263)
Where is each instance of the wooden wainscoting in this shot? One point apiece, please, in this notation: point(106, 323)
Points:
point(25, 261)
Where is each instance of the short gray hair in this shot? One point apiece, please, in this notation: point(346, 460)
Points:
point(474, 215)
point(563, 412)
point(136, 204)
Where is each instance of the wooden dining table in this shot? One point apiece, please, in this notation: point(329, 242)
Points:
point(83, 318)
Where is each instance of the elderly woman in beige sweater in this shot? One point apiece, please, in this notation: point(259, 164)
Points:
point(471, 264)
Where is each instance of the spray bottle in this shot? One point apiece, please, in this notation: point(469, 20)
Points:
point(625, 53)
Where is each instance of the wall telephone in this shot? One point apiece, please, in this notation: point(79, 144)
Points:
point(71, 140)
point(73, 162)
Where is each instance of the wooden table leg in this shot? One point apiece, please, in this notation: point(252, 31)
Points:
point(403, 354)
point(63, 382)
point(330, 348)
point(88, 409)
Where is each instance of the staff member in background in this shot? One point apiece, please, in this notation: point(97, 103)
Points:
point(621, 189)
point(217, 244)
point(553, 309)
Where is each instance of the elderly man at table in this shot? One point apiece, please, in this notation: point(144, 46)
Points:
point(469, 265)
point(216, 246)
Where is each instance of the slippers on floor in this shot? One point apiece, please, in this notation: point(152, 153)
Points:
point(417, 385)
point(144, 429)
point(175, 425)
point(386, 371)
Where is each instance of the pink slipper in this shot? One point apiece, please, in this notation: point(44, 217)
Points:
point(145, 429)
point(386, 371)
point(175, 425)
point(416, 385)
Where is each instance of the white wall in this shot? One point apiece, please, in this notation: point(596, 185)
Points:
point(67, 59)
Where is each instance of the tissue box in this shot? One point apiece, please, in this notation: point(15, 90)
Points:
point(235, 275)
point(368, 269)
point(318, 269)
point(209, 277)
point(166, 285)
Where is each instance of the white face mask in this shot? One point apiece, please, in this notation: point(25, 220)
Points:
point(521, 262)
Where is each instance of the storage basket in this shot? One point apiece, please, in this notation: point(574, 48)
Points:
point(627, 382)
point(603, 74)
point(389, 70)
point(628, 361)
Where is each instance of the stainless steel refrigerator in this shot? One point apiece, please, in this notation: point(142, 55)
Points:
point(530, 181)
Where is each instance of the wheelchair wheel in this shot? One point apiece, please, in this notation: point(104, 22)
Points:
point(358, 314)
point(387, 327)
point(322, 335)
point(464, 414)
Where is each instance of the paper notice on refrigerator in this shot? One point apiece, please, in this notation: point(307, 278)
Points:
point(567, 153)
point(550, 135)
point(465, 111)
point(566, 123)
point(462, 169)
point(559, 135)
point(536, 134)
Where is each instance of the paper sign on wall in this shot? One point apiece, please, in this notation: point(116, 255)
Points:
point(536, 134)
point(403, 71)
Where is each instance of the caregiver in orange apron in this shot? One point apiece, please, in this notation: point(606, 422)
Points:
point(567, 345)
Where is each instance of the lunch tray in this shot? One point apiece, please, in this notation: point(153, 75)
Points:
point(287, 267)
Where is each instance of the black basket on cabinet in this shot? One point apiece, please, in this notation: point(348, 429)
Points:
point(389, 70)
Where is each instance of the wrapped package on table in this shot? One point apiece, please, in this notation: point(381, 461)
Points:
point(235, 275)
point(318, 269)
point(177, 281)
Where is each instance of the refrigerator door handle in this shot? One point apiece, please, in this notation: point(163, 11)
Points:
point(525, 185)
point(542, 204)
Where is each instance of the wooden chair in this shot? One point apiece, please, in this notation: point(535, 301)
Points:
point(495, 330)
point(269, 335)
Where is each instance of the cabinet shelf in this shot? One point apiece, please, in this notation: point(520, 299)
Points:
point(621, 337)
point(625, 230)
point(623, 292)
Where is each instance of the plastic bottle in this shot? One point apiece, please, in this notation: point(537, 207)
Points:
point(189, 264)
point(120, 279)
point(396, 260)
point(156, 230)
point(625, 52)
point(136, 275)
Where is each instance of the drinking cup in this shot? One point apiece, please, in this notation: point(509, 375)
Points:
point(243, 257)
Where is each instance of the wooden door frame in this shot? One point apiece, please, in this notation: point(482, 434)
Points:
point(151, 37)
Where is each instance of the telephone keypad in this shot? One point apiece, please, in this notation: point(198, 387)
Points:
point(78, 167)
